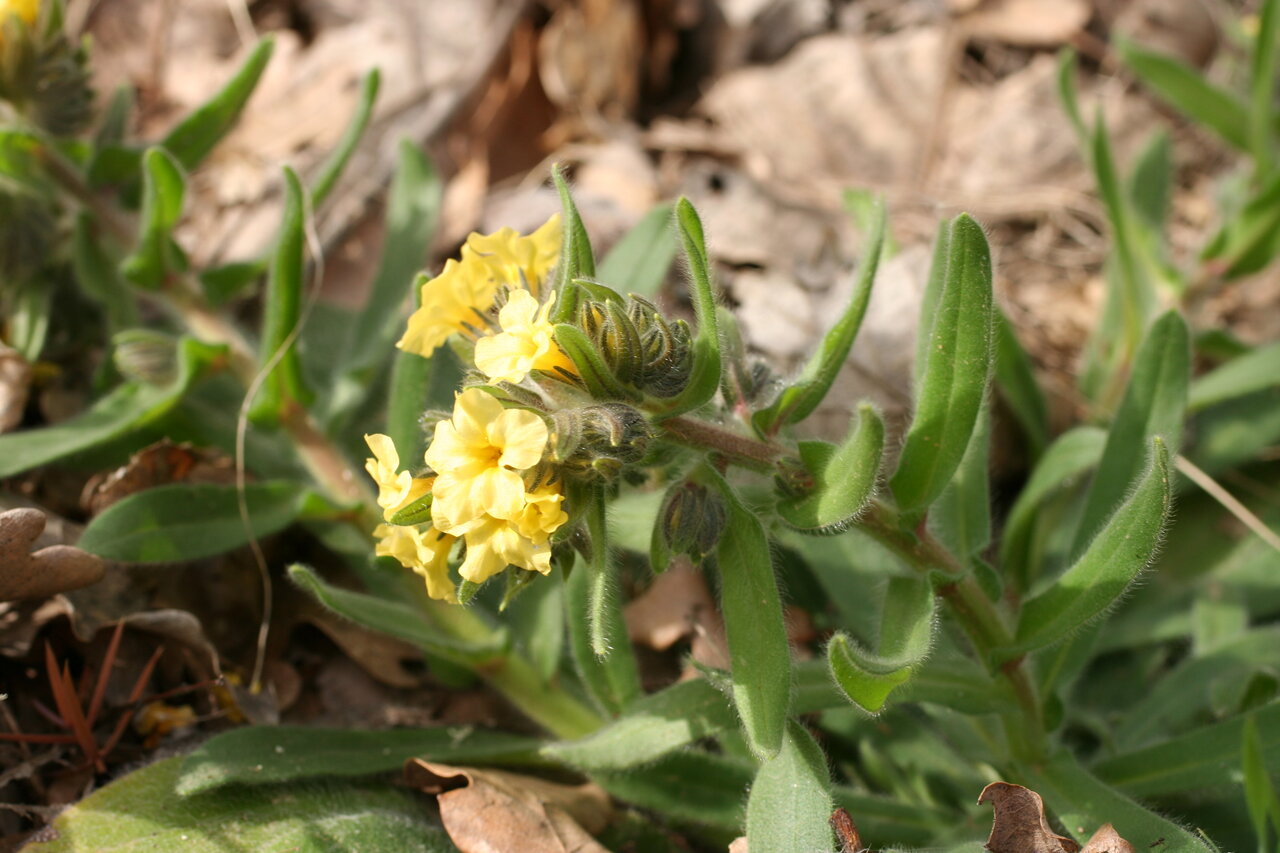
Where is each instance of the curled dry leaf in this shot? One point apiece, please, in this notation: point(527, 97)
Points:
point(156, 465)
point(1029, 23)
point(1020, 825)
point(15, 383)
point(49, 571)
point(676, 606)
point(1107, 840)
point(492, 811)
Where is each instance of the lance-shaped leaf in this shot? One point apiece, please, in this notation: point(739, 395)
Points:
point(396, 619)
point(1070, 457)
point(906, 635)
point(576, 258)
point(1262, 82)
point(798, 400)
point(1189, 92)
point(336, 162)
point(597, 631)
point(1259, 793)
point(1124, 547)
point(98, 275)
point(956, 372)
point(1247, 241)
point(961, 517)
point(652, 727)
point(182, 521)
point(1153, 404)
point(1256, 370)
point(283, 311)
point(125, 410)
point(197, 134)
point(790, 800)
point(639, 262)
point(704, 377)
point(1081, 802)
point(844, 477)
point(753, 622)
point(1016, 381)
point(157, 255)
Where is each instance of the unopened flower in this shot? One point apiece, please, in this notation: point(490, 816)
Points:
point(480, 453)
point(396, 489)
point(423, 549)
point(526, 342)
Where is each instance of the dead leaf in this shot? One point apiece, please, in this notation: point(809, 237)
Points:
point(156, 465)
point(15, 383)
point(1028, 23)
point(739, 845)
point(493, 811)
point(1107, 840)
point(1020, 825)
point(49, 571)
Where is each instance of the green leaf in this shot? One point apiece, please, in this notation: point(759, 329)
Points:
point(336, 162)
point(263, 755)
point(952, 681)
point(798, 400)
point(98, 275)
point(180, 522)
point(157, 255)
point(397, 619)
point(141, 811)
point(27, 326)
point(1070, 457)
point(1206, 758)
point(956, 372)
point(127, 409)
point(537, 620)
point(284, 383)
point(1262, 73)
point(1066, 80)
point(1254, 371)
point(906, 636)
point(1123, 548)
point(930, 299)
point(961, 517)
point(1248, 240)
point(1082, 803)
point(197, 134)
point(418, 384)
point(1150, 184)
point(790, 800)
point(576, 258)
point(1259, 792)
point(690, 786)
point(704, 377)
point(640, 261)
point(1153, 404)
point(1186, 90)
point(845, 477)
point(652, 727)
point(1016, 380)
point(753, 622)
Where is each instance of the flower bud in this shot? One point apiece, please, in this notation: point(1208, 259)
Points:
point(666, 355)
point(146, 356)
point(597, 442)
point(43, 73)
point(692, 519)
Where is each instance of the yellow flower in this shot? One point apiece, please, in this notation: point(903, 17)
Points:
point(396, 489)
point(459, 299)
point(541, 515)
point(24, 9)
point(527, 341)
point(479, 455)
point(423, 549)
point(517, 261)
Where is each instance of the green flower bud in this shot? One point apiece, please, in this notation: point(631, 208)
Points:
point(44, 74)
point(666, 354)
point(597, 442)
point(692, 519)
point(146, 356)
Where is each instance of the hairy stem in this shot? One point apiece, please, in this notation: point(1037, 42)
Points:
point(739, 449)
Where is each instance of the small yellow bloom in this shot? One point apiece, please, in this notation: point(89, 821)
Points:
point(516, 261)
point(541, 515)
point(24, 9)
point(396, 489)
point(479, 455)
point(527, 341)
point(423, 549)
point(460, 298)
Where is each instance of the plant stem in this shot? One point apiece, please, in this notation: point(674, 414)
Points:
point(739, 449)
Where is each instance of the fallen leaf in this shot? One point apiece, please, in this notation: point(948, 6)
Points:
point(49, 571)
point(15, 383)
point(1020, 825)
point(492, 811)
point(1107, 840)
point(1028, 23)
point(156, 465)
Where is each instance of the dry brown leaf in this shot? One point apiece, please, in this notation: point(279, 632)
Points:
point(493, 811)
point(1107, 840)
point(49, 571)
point(15, 383)
point(1020, 825)
point(159, 464)
point(739, 845)
point(670, 608)
point(1029, 23)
